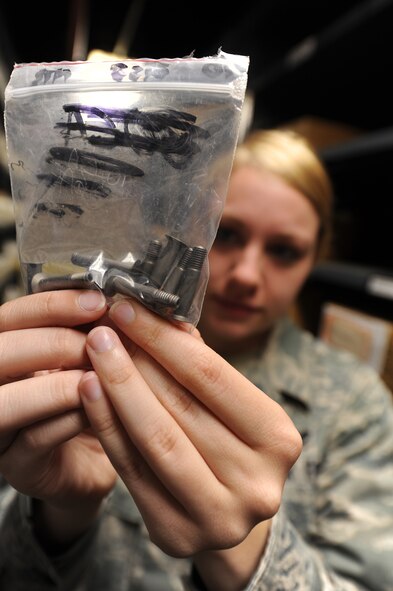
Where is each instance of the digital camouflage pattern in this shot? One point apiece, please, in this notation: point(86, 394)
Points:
point(335, 527)
point(333, 532)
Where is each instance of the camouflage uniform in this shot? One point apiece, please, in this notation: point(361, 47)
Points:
point(334, 530)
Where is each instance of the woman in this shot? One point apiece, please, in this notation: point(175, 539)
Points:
point(209, 459)
point(275, 226)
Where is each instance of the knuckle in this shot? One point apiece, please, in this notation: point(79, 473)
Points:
point(30, 440)
point(106, 427)
point(294, 447)
point(270, 501)
point(208, 367)
point(161, 440)
point(3, 346)
point(64, 388)
point(264, 497)
point(5, 313)
point(119, 374)
point(49, 303)
point(150, 339)
point(282, 443)
point(290, 444)
point(61, 340)
point(131, 469)
point(181, 401)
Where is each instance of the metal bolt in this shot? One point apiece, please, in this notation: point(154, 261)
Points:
point(82, 260)
point(173, 280)
point(44, 282)
point(169, 256)
point(145, 266)
point(31, 270)
point(116, 283)
point(189, 282)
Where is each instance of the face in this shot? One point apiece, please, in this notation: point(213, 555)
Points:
point(264, 250)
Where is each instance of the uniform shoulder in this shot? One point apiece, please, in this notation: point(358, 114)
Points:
point(331, 368)
point(298, 341)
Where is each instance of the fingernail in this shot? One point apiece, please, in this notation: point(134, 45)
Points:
point(101, 340)
point(122, 313)
point(91, 388)
point(92, 300)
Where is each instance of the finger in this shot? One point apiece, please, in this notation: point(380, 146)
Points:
point(229, 457)
point(22, 403)
point(40, 438)
point(220, 387)
point(148, 424)
point(52, 308)
point(148, 492)
point(30, 350)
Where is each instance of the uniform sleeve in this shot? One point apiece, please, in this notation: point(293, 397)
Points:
point(115, 554)
point(350, 543)
point(23, 563)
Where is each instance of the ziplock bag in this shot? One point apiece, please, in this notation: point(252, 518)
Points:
point(119, 173)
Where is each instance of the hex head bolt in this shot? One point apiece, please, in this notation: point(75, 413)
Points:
point(44, 282)
point(189, 282)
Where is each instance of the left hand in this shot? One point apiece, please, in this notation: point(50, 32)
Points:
point(47, 450)
point(204, 453)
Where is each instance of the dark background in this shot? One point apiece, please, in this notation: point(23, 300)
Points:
point(330, 58)
point(324, 66)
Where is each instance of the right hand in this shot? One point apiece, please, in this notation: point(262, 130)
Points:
point(180, 424)
point(46, 448)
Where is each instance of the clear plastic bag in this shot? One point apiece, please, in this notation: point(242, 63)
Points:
point(119, 173)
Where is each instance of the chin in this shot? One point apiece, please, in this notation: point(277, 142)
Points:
point(228, 337)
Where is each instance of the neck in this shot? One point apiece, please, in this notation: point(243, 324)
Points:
point(228, 349)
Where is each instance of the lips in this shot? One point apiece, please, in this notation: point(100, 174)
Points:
point(234, 308)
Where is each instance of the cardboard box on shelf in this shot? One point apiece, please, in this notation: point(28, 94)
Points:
point(368, 337)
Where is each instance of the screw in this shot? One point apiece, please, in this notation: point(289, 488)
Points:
point(174, 279)
point(147, 294)
point(44, 282)
point(189, 282)
point(145, 266)
point(82, 260)
point(31, 270)
point(168, 257)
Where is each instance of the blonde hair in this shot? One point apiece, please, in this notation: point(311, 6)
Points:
point(290, 156)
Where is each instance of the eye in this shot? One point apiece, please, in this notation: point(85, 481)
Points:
point(228, 236)
point(285, 254)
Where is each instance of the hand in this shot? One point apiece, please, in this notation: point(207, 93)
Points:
point(204, 453)
point(46, 448)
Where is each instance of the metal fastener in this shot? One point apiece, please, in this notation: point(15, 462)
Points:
point(189, 282)
point(169, 256)
point(45, 282)
point(92, 261)
point(121, 284)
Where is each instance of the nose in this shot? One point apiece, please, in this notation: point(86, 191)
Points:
point(248, 267)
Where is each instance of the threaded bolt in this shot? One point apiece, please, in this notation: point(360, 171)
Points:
point(189, 282)
point(145, 293)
